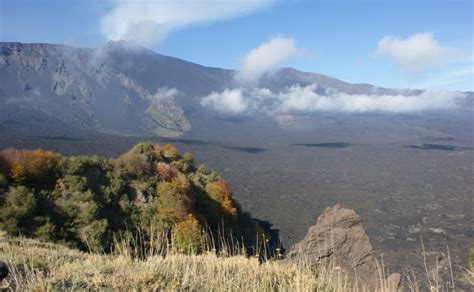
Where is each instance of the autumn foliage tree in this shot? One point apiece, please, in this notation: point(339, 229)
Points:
point(219, 191)
point(188, 235)
point(31, 166)
point(164, 171)
point(174, 200)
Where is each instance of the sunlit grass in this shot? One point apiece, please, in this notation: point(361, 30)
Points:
point(38, 266)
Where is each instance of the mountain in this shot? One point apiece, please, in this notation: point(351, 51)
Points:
point(286, 77)
point(111, 88)
point(125, 89)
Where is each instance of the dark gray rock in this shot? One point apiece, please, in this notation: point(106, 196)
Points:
point(339, 243)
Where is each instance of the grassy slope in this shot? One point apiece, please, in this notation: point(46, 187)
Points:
point(44, 266)
point(38, 266)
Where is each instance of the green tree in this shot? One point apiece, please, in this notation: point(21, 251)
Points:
point(18, 211)
point(174, 201)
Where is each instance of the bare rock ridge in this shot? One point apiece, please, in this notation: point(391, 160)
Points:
point(339, 242)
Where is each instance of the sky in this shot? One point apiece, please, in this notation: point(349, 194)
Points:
point(397, 44)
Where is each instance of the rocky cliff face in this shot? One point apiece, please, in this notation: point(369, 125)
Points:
point(338, 242)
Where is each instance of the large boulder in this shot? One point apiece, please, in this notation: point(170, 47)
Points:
point(338, 244)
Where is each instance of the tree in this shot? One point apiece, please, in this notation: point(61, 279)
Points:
point(174, 202)
point(188, 158)
point(17, 213)
point(133, 165)
point(164, 171)
point(170, 152)
point(18, 172)
point(219, 191)
point(31, 167)
point(187, 235)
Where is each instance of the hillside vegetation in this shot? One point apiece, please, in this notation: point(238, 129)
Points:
point(89, 202)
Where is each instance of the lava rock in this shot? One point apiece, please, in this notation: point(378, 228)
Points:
point(339, 242)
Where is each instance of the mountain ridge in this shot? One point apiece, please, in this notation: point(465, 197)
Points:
point(125, 88)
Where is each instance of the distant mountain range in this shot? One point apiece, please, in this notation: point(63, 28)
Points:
point(126, 89)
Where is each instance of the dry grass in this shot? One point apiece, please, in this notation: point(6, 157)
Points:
point(37, 266)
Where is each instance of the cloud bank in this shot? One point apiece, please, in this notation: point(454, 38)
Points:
point(417, 53)
point(149, 21)
point(166, 92)
point(230, 101)
point(265, 58)
point(305, 99)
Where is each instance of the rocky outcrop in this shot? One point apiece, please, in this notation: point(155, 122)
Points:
point(167, 118)
point(339, 243)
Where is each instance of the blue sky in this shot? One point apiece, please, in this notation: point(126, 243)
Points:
point(337, 38)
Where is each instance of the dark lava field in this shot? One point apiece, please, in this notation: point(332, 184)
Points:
point(410, 177)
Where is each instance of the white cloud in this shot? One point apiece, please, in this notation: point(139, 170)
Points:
point(417, 53)
point(305, 99)
point(265, 58)
point(229, 101)
point(148, 21)
point(166, 92)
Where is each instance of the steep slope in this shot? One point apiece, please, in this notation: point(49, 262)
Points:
point(67, 84)
point(111, 88)
point(152, 70)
